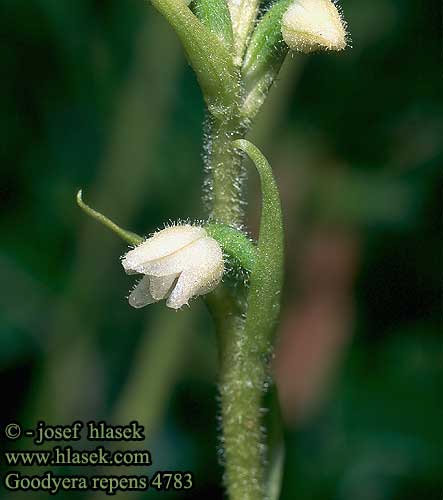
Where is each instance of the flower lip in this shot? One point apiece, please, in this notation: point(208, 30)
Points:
point(178, 263)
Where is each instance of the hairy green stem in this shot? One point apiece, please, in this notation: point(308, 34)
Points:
point(226, 171)
point(240, 406)
point(243, 351)
point(241, 390)
point(240, 369)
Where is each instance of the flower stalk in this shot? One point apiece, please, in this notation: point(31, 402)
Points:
point(236, 55)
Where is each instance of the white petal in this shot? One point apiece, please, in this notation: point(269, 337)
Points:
point(212, 279)
point(141, 295)
point(162, 244)
point(202, 253)
point(187, 286)
point(161, 286)
point(199, 279)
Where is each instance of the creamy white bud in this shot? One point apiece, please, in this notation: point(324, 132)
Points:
point(178, 263)
point(310, 25)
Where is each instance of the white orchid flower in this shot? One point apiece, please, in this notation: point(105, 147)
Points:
point(310, 25)
point(178, 263)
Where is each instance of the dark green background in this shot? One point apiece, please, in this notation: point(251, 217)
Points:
point(97, 94)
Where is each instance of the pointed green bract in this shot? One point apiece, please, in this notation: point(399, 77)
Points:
point(267, 276)
point(214, 14)
point(246, 352)
point(128, 236)
point(207, 55)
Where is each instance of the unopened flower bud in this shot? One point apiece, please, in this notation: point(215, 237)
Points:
point(310, 25)
point(178, 263)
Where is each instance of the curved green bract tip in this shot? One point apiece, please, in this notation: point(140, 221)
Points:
point(128, 236)
point(267, 277)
